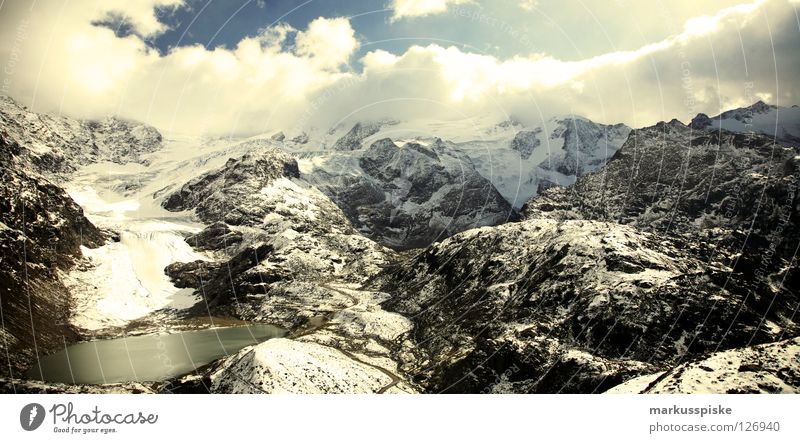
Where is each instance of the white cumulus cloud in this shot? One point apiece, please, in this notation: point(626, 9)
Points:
point(56, 60)
point(419, 8)
point(329, 42)
point(65, 64)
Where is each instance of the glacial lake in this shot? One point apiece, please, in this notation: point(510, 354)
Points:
point(147, 357)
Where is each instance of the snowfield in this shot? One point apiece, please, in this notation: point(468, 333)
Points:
point(283, 366)
point(768, 368)
point(124, 280)
point(350, 353)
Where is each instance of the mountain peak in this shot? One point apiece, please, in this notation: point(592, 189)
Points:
point(700, 121)
point(761, 107)
point(674, 123)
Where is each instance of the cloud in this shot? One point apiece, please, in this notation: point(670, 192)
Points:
point(64, 64)
point(329, 42)
point(286, 78)
point(721, 61)
point(420, 8)
point(706, 24)
point(528, 5)
point(140, 14)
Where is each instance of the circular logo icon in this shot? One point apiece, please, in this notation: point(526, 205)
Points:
point(31, 416)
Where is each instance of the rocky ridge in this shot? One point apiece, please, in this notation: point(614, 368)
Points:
point(287, 255)
point(58, 145)
point(763, 369)
point(351, 141)
point(408, 195)
point(779, 123)
point(575, 306)
point(681, 245)
point(42, 231)
point(266, 226)
point(731, 197)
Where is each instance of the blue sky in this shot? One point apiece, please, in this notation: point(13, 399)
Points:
point(496, 27)
point(225, 23)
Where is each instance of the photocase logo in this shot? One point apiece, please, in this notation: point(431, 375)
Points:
point(31, 416)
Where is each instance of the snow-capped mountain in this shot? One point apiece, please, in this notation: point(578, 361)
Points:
point(782, 124)
point(669, 246)
point(586, 146)
point(410, 194)
point(58, 144)
point(554, 153)
point(267, 225)
point(518, 160)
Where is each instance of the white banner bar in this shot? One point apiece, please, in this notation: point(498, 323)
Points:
point(356, 418)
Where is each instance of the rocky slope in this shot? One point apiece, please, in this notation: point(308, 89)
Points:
point(267, 226)
point(59, 145)
point(730, 197)
point(408, 195)
point(778, 123)
point(574, 306)
point(290, 366)
point(222, 194)
point(684, 243)
point(522, 161)
point(286, 254)
point(525, 142)
point(764, 369)
point(17, 386)
point(41, 233)
point(350, 345)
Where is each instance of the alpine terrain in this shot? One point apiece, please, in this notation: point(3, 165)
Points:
point(483, 255)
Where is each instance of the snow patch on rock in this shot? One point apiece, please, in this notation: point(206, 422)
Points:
point(283, 366)
point(767, 369)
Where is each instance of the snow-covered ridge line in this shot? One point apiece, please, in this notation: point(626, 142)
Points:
point(518, 160)
point(782, 124)
point(60, 145)
point(409, 194)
